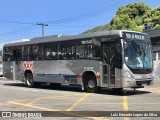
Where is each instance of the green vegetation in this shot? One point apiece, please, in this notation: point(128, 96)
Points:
point(98, 29)
point(132, 17)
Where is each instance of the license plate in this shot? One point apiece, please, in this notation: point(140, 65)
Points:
point(148, 76)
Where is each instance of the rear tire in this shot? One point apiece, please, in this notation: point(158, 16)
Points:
point(90, 84)
point(29, 80)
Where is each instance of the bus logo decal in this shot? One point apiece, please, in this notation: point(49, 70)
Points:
point(28, 65)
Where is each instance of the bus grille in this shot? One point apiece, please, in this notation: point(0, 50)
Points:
point(143, 82)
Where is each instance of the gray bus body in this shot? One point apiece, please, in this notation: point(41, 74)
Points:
point(1, 53)
point(90, 60)
point(1, 62)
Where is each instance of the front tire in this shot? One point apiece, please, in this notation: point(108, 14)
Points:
point(29, 80)
point(90, 84)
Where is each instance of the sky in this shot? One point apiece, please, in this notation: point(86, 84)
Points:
point(19, 18)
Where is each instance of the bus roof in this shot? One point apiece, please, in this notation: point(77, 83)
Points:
point(56, 38)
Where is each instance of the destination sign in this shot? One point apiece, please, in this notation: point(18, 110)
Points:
point(87, 41)
point(135, 36)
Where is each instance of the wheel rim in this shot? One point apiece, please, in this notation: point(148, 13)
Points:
point(29, 80)
point(91, 84)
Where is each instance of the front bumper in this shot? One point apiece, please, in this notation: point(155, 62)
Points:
point(136, 83)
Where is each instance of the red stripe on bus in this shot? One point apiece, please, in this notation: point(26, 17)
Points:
point(79, 76)
point(98, 76)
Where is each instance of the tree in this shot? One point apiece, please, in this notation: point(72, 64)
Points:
point(134, 10)
point(155, 17)
point(98, 29)
point(132, 17)
point(123, 22)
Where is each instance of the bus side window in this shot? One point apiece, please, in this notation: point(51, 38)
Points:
point(17, 54)
point(87, 49)
point(8, 54)
point(35, 52)
point(50, 51)
point(24, 52)
point(67, 50)
point(80, 51)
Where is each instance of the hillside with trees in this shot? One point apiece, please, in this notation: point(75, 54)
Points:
point(132, 17)
point(99, 28)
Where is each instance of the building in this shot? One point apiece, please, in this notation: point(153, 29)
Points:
point(155, 39)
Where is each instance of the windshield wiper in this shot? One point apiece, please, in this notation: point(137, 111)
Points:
point(136, 47)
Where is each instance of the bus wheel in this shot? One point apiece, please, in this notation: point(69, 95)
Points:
point(29, 80)
point(90, 84)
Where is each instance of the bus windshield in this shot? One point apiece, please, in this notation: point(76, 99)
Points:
point(138, 52)
point(138, 55)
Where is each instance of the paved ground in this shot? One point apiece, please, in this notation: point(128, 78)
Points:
point(14, 96)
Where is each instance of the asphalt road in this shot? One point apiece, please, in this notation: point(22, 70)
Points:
point(65, 100)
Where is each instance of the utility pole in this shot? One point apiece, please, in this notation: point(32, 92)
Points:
point(42, 24)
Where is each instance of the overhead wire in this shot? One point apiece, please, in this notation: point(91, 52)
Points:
point(62, 25)
point(15, 22)
point(91, 14)
point(66, 20)
point(18, 31)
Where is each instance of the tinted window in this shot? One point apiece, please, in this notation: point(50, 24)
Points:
point(67, 50)
point(50, 51)
point(25, 52)
point(32, 52)
point(8, 54)
point(87, 49)
point(37, 52)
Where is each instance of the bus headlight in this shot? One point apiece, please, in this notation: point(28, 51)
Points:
point(128, 74)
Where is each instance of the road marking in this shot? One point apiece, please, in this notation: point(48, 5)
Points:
point(31, 106)
point(58, 111)
point(51, 97)
point(125, 104)
point(77, 102)
point(105, 104)
point(125, 101)
point(102, 103)
point(44, 109)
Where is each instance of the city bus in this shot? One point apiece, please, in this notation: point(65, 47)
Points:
point(114, 59)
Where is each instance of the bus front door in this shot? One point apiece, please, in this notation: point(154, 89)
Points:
point(108, 64)
point(16, 65)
